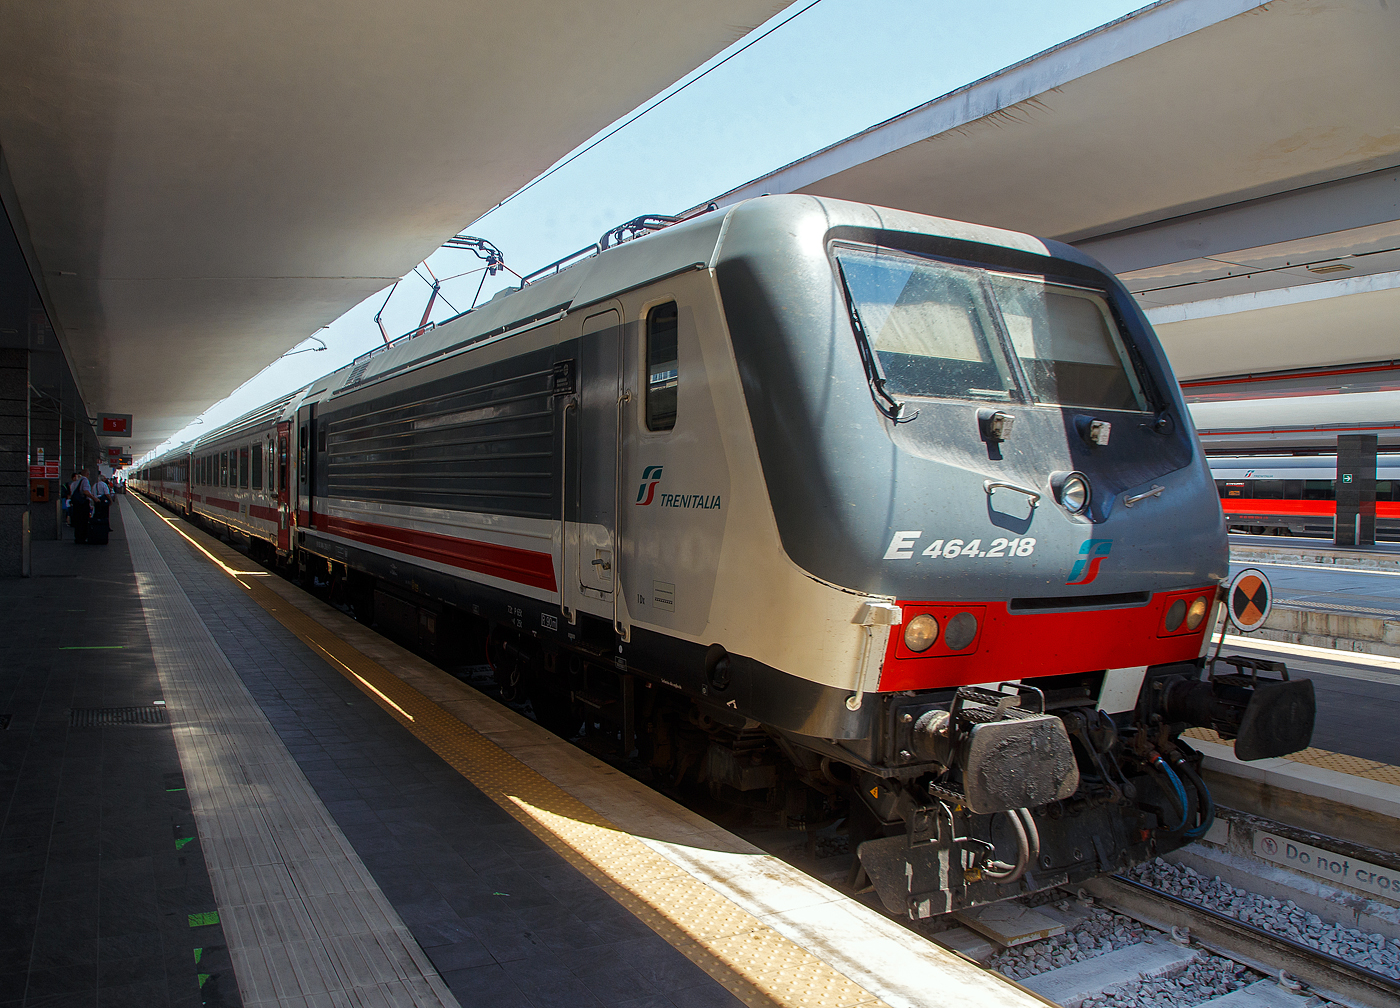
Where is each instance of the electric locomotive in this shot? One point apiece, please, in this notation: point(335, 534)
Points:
point(840, 510)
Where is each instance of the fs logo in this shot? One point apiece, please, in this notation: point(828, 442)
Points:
point(651, 476)
point(1087, 567)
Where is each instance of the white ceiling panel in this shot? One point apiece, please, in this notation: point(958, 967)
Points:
point(215, 182)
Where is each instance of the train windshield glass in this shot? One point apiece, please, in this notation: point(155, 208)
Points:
point(1067, 343)
point(950, 331)
point(929, 324)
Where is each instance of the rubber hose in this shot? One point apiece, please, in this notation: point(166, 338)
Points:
point(1207, 804)
point(1012, 873)
point(1182, 801)
point(1032, 835)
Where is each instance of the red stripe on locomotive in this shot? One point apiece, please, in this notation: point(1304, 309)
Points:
point(1015, 645)
point(506, 562)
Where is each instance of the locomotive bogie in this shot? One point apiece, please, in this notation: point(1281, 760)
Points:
point(840, 511)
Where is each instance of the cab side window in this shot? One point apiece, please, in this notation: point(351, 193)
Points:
point(663, 367)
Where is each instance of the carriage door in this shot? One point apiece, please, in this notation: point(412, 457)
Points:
point(306, 466)
point(281, 467)
point(599, 388)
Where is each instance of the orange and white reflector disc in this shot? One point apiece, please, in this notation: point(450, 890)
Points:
point(1248, 599)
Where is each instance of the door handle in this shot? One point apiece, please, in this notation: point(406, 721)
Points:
point(603, 563)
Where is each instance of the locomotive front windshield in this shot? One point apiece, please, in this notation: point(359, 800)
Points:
point(948, 331)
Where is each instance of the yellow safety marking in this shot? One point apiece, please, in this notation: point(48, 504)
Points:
point(751, 960)
point(1340, 762)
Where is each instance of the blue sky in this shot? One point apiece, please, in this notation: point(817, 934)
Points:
point(822, 72)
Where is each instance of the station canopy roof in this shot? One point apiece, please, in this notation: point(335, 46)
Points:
point(205, 185)
point(1234, 163)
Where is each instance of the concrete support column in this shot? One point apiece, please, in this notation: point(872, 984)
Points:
point(14, 457)
point(1356, 490)
point(43, 436)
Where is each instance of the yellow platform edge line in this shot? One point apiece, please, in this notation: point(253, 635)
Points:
point(1355, 766)
point(748, 958)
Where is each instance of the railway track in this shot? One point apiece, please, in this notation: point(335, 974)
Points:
point(1167, 951)
point(1329, 976)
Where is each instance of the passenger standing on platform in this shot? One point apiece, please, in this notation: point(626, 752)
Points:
point(102, 502)
point(80, 509)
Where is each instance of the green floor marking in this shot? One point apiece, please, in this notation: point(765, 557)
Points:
point(204, 919)
point(174, 789)
point(183, 840)
point(96, 647)
point(203, 977)
point(197, 954)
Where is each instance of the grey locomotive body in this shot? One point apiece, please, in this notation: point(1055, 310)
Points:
point(842, 510)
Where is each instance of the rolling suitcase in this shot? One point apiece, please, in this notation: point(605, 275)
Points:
point(98, 525)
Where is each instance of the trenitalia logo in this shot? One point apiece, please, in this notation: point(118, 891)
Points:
point(651, 476)
point(1087, 567)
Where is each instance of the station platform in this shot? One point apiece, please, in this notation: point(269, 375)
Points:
point(1314, 552)
point(222, 792)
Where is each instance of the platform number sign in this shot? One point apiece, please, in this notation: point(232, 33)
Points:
point(114, 425)
point(1249, 599)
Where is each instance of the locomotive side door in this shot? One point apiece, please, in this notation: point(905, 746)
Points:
point(599, 385)
point(281, 466)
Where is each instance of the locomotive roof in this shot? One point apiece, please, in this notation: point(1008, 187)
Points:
point(694, 244)
point(697, 243)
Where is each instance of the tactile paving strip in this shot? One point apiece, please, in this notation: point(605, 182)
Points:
point(1340, 762)
point(305, 922)
point(765, 969)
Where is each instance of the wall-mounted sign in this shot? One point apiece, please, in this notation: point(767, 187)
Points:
point(114, 424)
point(49, 470)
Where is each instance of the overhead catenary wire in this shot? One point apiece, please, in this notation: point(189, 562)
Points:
point(655, 104)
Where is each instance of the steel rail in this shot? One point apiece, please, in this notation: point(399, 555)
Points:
point(1330, 975)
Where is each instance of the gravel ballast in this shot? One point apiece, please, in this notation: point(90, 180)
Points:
point(1374, 952)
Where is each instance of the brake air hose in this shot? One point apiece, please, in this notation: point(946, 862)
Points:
point(1003, 873)
point(1032, 834)
point(1181, 799)
point(1207, 803)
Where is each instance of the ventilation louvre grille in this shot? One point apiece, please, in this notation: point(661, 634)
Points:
point(356, 373)
point(101, 717)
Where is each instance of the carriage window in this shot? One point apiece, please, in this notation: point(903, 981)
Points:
point(257, 467)
point(1384, 490)
point(1268, 489)
point(243, 468)
point(663, 367)
point(223, 469)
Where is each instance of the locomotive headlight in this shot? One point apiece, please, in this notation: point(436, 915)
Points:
point(1176, 612)
point(1072, 491)
point(920, 633)
point(1196, 613)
